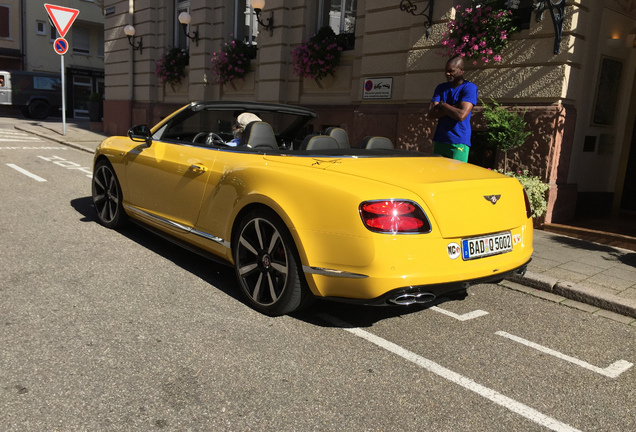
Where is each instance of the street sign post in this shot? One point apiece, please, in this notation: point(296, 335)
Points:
point(62, 18)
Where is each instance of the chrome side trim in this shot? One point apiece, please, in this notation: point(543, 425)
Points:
point(332, 272)
point(179, 226)
point(210, 237)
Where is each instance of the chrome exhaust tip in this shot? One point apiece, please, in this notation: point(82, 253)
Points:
point(406, 299)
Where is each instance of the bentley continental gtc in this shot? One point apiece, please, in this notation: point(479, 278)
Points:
point(304, 215)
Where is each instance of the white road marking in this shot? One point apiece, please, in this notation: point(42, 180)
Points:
point(612, 371)
point(26, 173)
point(465, 317)
point(60, 161)
point(18, 138)
point(490, 394)
point(33, 148)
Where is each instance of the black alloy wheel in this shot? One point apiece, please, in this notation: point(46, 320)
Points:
point(107, 196)
point(267, 265)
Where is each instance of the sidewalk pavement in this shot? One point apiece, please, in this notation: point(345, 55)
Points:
point(78, 134)
point(590, 276)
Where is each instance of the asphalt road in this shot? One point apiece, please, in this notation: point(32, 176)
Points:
point(121, 331)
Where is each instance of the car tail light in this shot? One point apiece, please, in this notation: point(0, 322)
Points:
point(528, 208)
point(394, 216)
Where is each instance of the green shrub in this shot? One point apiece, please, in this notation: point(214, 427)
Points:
point(506, 128)
point(95, 97)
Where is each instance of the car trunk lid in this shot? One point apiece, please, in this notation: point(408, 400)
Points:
point(462, 199)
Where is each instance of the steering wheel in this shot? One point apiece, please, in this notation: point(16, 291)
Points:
point(210, 138)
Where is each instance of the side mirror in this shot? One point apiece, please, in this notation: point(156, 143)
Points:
point(140, 133)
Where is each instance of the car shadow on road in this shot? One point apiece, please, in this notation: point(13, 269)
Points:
point(84, 206)
point(218, 275)
point(325, 313)
point(222, 277)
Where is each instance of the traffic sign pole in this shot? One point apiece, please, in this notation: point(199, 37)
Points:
point(62, 17)
point(63, 96)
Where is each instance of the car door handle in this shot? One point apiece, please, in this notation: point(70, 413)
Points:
point(197, 168)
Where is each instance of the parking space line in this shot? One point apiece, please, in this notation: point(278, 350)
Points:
point(60, 161)
point(490, 394)
point(465, 317)
point(612, 371)
point(26, 173)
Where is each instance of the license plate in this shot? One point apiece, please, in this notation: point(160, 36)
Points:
point(479, 247)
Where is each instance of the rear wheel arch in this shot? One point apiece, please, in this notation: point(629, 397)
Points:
point(283, 218)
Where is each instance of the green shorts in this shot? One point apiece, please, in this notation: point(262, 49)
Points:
point(453, 151)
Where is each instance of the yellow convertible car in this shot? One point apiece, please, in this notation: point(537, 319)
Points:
point(303, 214)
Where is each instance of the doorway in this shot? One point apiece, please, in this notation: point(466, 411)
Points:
point(628, 199)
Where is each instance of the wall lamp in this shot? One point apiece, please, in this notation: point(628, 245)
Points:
point(130, 32)
point(427, 13)
point(184, 19)
point(258, 6)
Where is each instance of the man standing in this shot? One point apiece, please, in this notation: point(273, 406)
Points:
point(451, 105)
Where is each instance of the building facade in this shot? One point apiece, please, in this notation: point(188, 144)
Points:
point(577, 93)
point(29, 46)
point(11, 47)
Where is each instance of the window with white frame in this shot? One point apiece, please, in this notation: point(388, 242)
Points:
point(245, 24)
point(180, 39)
point(81, 40)
point(340, 15)
point(5, 22)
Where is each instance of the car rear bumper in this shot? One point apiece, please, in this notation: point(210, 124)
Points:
point(422, 294)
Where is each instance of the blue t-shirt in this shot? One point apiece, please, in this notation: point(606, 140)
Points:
point(449, 130)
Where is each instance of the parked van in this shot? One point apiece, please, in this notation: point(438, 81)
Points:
point(36, 93)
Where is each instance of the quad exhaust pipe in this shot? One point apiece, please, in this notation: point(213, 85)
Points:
point(405, 299)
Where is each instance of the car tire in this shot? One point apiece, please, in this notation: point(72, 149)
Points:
point(39, 110)
point(25, 111)
point(107, 196)
point(268, 266)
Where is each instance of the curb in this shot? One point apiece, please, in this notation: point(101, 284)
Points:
point(572, 291)
point(52, 138)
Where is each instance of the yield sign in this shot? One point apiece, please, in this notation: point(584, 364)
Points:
point(62, 17)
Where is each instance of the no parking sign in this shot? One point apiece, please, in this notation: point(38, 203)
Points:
point(60, 46)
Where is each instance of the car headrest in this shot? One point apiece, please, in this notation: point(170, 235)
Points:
point(340, 135)
point(259, 134)
point(376, 142)
point(319, 142)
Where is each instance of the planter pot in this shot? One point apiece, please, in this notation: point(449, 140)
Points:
point(95, 111)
